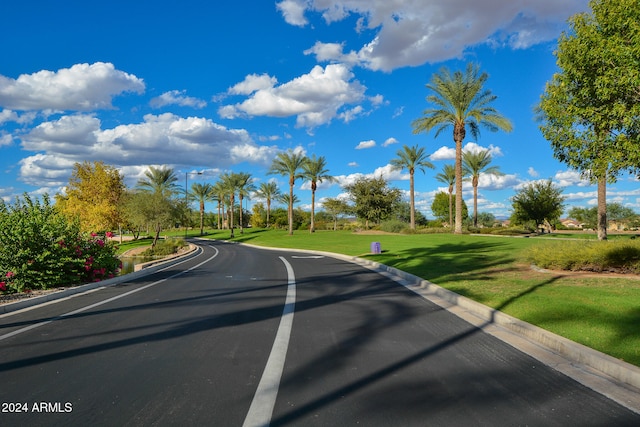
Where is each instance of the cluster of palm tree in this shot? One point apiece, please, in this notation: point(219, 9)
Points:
point(459, 101)
point(292, 164)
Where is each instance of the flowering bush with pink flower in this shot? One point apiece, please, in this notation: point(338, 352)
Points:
point(40, 249)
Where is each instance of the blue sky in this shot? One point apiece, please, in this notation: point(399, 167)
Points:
point(216, 86)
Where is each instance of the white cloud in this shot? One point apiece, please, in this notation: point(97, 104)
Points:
point(366, 144)
point(314, 98)
point(389, 141)
point(532, 172)
point(449, 153)
point(83, 87)
point(570, 178)
point(353, 164)
point(411, 33)
point(164, 139)
point(5, 139)
point(177, 97)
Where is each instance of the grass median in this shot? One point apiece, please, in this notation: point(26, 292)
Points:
point(601, 311)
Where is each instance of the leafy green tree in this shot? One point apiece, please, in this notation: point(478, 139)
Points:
point(93, 195)
point(289, 164)
point(486, 219)
point(538, 201)
point(315, 171)
point(336, 207)
point(589, 216)
point(402, 213)
point(268, 191)
point(203, 193)
point(473, 165)
point(411, 158)
point(448, 176)
point(589, 110)
point(373, 199)
point(258, 216)
point(460, 101)
point(40, 248)
point(441, 207)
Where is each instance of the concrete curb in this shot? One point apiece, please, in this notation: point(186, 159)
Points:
point(592, 368)
point(149, 268)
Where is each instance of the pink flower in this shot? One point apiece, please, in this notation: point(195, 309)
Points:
point(109, 234)
point(3, 286)
point(94, 234)
point(10, 274)
point(100, 243)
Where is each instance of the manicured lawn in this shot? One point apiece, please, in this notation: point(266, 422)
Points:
point(598, 311)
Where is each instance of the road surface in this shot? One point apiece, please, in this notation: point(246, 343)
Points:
point(243, 336)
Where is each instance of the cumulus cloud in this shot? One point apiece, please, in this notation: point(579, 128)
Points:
point(449, 153)
point(366, 144)
point(177, 97)
point(411, 33)
point(83, 87)
point(570, 178)
point(389, 141)
point(159, 139)
point(314, 98)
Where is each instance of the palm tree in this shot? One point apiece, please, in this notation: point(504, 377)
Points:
point(230, 184)
point(314, 171)
point(203, 193)
point(268, 191)
point(459, 101)
point(245, 186)
point(411, 158)
point(289, 164)
point(448, 176)
point(474, 164)
point(219, 193)
point(160, 180)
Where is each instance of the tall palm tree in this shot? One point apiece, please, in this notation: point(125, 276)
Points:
point(245, 186)
point(314, 170)
point(411, 158)
point(474, 164)
point(160, 180)
point(268, 191)
point(203, 193)
point(460, 101)
point(289, 164)
point(230, 184)
point(219, 194)
point(448, 176)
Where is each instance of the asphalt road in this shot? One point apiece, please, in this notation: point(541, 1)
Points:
point(243, 336)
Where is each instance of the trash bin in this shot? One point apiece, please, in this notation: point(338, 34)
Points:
point(375, 248)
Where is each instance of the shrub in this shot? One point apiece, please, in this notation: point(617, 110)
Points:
point(41, 249)
point(621, 256)
point(165, 247)
point(393, 226)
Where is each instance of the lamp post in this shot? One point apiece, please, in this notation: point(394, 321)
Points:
point(186, 199)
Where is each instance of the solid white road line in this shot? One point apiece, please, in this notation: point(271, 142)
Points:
point(261, 408)
point(80, 310)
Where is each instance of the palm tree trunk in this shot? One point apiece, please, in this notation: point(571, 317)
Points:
point(290, 209)
point(602, 208)
point(201, 218)
point(458, 166)
point(475, 203)
point(268, 212)
point(232, 199)
point(412, 208)
point(312, 228)
point(451, 207)
point(241, 229)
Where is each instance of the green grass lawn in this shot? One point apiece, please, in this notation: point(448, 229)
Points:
point(600, 312)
